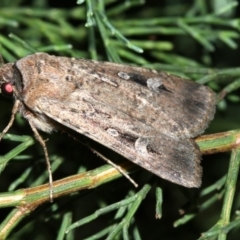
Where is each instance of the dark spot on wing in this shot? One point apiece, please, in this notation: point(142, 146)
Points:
point(162, 87)
point(138, 79)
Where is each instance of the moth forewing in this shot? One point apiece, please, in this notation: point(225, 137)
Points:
point(146, 116)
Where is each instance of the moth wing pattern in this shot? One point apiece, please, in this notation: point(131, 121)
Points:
point(145, 115)
point(159, 153)
point(161, 106)
point(177, 106)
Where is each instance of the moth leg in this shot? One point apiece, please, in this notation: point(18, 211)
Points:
point(43, 144)
point(116, 167)
point(14, 112)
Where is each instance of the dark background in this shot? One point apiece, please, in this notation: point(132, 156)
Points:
point(45, 222)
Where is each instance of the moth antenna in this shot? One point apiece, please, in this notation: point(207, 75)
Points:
point(43, 144)
point(15, 110)
point(1, 59)
point(116, 167)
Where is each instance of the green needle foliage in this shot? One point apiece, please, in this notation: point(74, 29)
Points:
point(198, 40)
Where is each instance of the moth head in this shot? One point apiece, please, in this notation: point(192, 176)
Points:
point(7, 79)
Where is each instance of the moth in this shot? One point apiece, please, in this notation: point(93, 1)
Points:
point(148, 117)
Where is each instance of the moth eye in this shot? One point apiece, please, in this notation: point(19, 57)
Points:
point(7, 89)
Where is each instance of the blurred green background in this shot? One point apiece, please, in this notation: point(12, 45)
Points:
point(193, 39)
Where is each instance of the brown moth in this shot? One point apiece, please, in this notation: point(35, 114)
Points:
point(149, 117)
